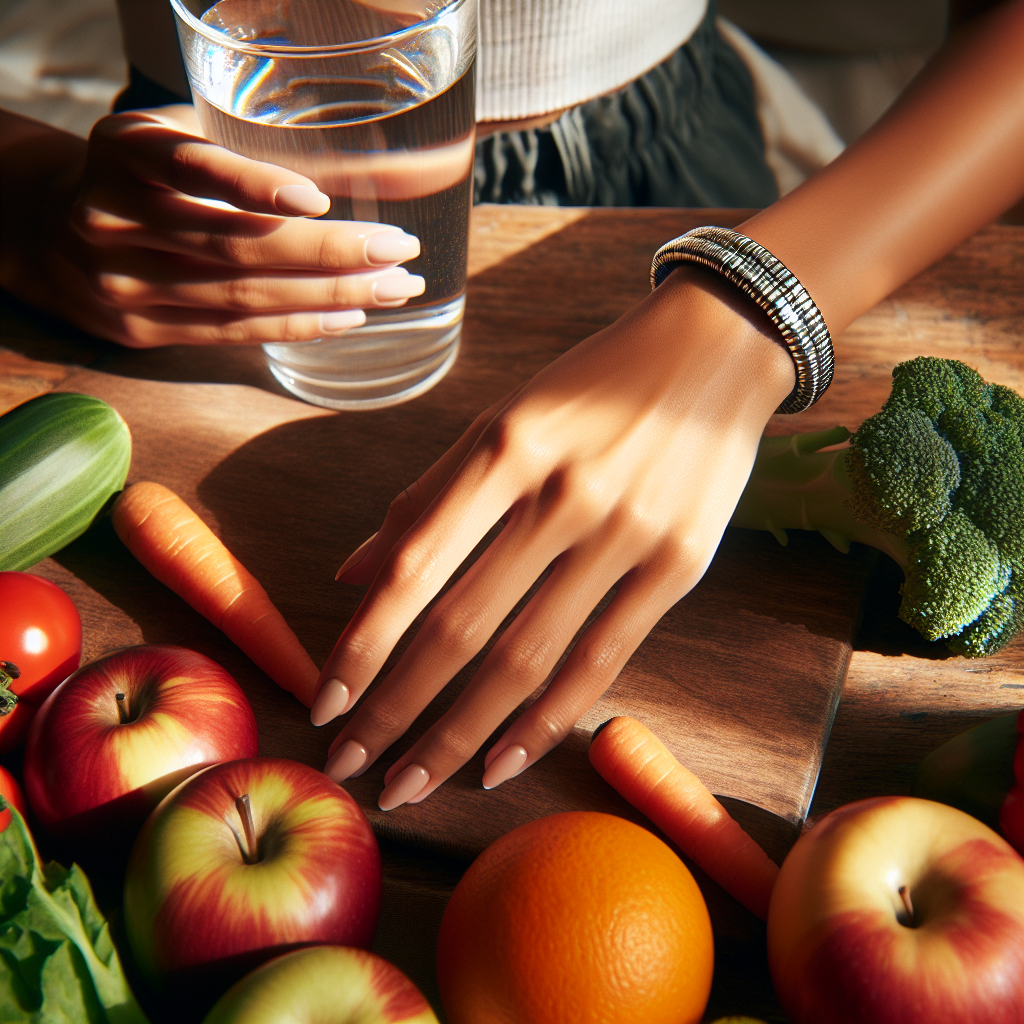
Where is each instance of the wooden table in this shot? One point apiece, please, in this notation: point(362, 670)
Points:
point(540, 280)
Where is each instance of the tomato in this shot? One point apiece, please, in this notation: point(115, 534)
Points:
point(41, 636)
point(11, 792)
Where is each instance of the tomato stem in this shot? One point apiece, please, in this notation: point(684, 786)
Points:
point(8, 699)
point(251, 852)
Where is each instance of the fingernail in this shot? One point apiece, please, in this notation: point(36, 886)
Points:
point(345, 761)
point(341, 320)
point(397, 284)
point(356, 557)
point(391, 247)
point(409, 783)
point(301, 201)
point(504, 766)
point(331, 701)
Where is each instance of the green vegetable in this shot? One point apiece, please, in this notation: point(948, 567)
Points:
point(57, 963)
point(972, 771)
point(935, 480)
point(62, 456)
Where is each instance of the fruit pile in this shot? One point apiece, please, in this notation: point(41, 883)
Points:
point(253, 887)
point(236, 861)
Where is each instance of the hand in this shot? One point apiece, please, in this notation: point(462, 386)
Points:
point(617, 466)
point(125, 244)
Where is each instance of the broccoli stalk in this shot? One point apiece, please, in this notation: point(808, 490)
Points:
point(935, 480)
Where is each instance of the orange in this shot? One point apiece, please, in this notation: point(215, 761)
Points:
point(576, 918)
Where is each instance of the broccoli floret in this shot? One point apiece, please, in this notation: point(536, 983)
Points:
point(935, 480)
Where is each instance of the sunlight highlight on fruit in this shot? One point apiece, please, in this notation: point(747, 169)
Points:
point(580, 917)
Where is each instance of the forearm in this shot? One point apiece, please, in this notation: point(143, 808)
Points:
point(944, 161)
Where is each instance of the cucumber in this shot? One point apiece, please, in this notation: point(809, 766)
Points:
point(62, 456)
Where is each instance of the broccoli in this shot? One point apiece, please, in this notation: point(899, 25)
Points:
point(935, 480)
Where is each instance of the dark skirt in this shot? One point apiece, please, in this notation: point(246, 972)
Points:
point(684, 134)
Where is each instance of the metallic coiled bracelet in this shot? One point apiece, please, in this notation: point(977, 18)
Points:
point(764, 279)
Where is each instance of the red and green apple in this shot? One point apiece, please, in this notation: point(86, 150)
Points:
point(112, 740)
point(324, 985)
point(900, 910)
point(242, 863)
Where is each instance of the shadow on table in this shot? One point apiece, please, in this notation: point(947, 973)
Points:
point(882, 630)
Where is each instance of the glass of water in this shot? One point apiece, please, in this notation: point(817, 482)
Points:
point(374, 100)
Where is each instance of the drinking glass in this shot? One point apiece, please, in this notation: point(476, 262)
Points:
point(375, 102)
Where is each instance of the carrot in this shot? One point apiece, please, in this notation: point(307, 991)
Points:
point(181, 551)
point(636, 763)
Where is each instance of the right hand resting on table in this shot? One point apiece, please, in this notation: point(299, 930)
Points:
point(113, 236)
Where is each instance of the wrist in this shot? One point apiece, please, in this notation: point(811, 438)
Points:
point(766, 282)
point(743, 349)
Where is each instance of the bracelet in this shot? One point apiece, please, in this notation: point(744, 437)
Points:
point(765, 279)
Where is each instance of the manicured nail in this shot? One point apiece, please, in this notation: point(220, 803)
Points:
point(345, 761)
point(331, 701)
point(356, 557)
point(391, 247)
point(341, 320)
point(508, 763)
point(408, 784)
point(301, 201)
point(397, 284)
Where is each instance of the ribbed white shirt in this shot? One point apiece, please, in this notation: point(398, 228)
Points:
point(536, 56)
point(533, 56)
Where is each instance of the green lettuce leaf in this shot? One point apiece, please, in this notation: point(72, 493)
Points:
point(58, 964)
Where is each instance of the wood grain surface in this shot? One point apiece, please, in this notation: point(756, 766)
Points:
point(741, 678)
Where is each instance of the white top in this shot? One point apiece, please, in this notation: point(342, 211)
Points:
point(536, 56)
point(533, 56)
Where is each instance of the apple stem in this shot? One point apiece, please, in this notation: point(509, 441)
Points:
point(251, 851)
point(122, 707)
point(907, 905)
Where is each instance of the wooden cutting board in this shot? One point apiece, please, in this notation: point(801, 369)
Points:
point(741, 678)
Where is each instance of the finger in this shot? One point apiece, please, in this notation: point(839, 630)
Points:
point(418, 566)
point(362, 565)
point(172, 325)
point(157, 152)
point(599, 656)
point(152, 328)
point(140, 218)
point(454, 632)
point(137, 279)
point(521, 660)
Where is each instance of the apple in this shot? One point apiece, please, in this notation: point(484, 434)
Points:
point(324, 985)
point(903, 910)
point(243, 862)
point(120, 733)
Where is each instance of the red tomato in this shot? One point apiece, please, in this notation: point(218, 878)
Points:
point(14, 725)
point(11, 792)
point(40, 634)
